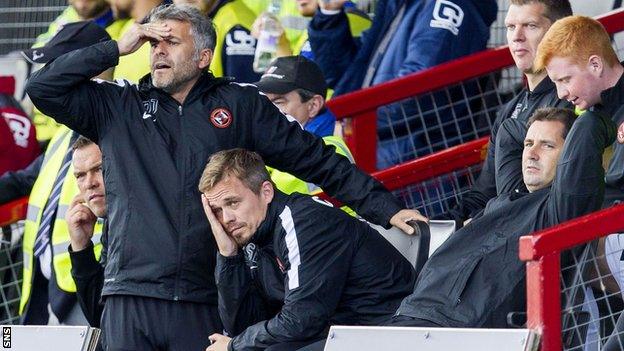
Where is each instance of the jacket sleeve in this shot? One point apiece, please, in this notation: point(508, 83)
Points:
point(578, 187)
point(240, 304)
point(316, 274)
point(238, 55)
point(306, 156)
point(89, 277)
point(335, 50)
point(424, 48)
point(14, 185)
point(63, 89)
point(509, 147)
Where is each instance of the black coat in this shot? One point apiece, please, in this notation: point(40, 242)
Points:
point(315, 266)
point(88, 275)
point(613, 105)
point(476, 277)
point(521, 107)
point(154, 151)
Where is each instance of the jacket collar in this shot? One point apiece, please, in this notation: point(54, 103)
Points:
point(264, 234)
point(544, 87)
point(613, 98)
point(205, 83)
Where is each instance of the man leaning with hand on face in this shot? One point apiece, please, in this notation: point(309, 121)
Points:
point(284, 278)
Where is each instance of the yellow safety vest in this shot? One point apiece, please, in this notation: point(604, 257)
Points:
point(231, 14)
point(294, 24)
point(39, 195)
point(288, 183)
point(45, 126)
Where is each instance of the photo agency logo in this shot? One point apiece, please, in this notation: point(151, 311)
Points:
point(6, 337)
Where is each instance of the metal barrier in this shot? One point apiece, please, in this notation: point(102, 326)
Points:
point(22, 21)
point(563, 262)
point(11, 231)
point(424, 112)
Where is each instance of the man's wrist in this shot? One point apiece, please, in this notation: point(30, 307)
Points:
point(79, 245)
point(229, 252)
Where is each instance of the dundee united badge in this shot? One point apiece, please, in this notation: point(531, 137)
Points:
point(221, 118)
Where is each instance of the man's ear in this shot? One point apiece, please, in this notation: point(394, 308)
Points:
point(595, 65)
point(267, 191)
point(205, 58)
point(315, 105)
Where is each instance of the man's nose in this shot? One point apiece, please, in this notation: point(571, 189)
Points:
point(92, 181)
point(228, 216)
point(533, 154)
point(517, 34)
point(159, 49)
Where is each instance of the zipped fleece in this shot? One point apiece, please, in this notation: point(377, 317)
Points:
point(154, 151)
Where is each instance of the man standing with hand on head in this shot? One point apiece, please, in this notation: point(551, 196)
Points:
point(161, 255)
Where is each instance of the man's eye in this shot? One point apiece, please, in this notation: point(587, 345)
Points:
point(511, 27)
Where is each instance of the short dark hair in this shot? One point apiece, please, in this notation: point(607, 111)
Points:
point(306, 95)
point(81, 142)
point(243, 164)
point(555, 9)
point(552, 114)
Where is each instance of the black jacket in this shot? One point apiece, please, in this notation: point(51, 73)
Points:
point(154, 151)
point(475, 278)
point(14, 185)
point(333, 268)
point(613, 105)
point(521, 107)
point(88, 275)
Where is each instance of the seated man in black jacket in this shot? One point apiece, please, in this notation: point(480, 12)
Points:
point(476, 278)
point(84, 211)
point(289, 266)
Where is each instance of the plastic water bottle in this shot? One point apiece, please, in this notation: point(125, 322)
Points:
point(266, 48)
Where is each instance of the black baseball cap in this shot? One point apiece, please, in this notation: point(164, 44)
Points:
point(292, 72)
point(72, 36)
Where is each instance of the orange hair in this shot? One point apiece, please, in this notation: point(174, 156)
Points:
point(576, 38)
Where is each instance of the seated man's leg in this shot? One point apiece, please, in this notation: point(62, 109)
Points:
point(405, 321)
point(191, 324)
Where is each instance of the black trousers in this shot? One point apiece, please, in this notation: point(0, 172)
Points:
point(144, 323)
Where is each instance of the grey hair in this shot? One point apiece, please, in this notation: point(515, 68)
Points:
point(202, 29)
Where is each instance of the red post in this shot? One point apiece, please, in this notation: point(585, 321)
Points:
point(361, 137)
point(544, 301)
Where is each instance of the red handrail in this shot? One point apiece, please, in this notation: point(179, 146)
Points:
point(440, 163)
point(13, 211)
point(541, 251)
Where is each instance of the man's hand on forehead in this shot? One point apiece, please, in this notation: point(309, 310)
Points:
point(138, 34)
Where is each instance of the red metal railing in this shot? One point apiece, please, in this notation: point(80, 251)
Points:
point(360, 107)
point(542, 252)
point(13, 211)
